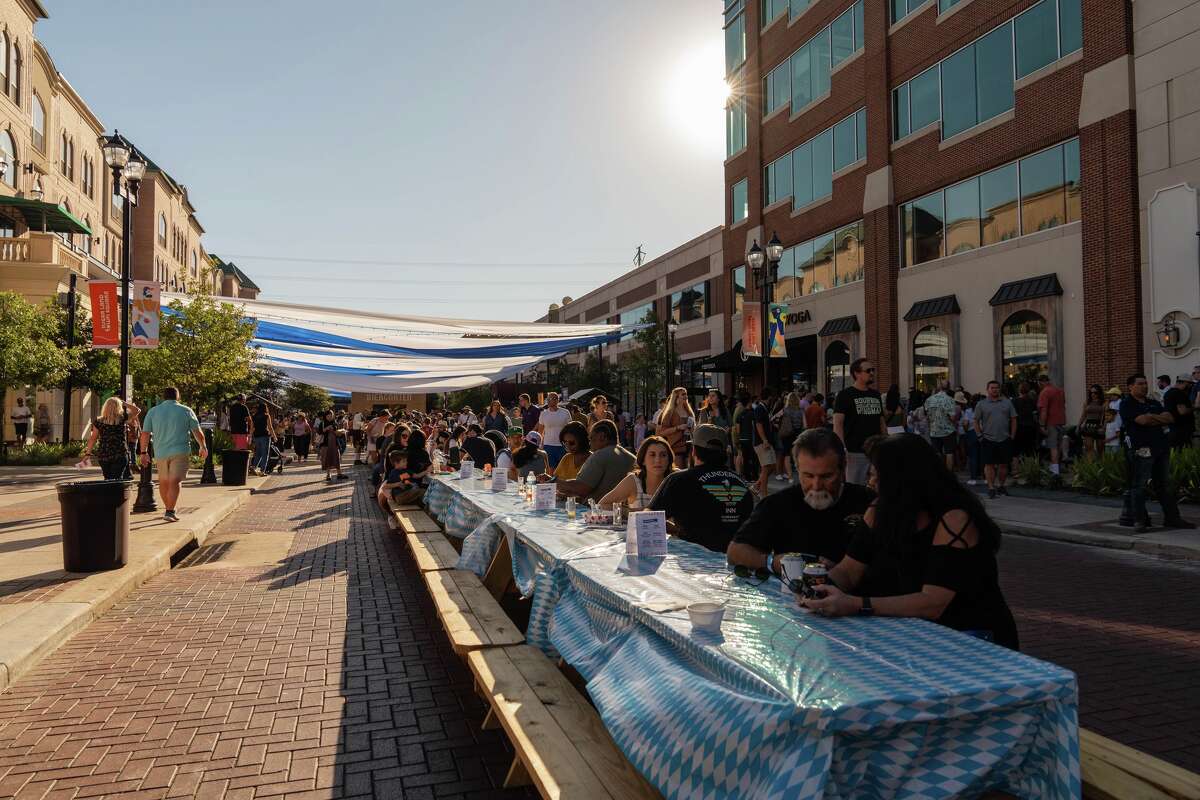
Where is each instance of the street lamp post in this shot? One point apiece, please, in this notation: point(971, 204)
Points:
point(125, 163)
point(765, 267)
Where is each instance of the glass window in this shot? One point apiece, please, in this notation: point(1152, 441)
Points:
point(735, 126)
point(928, 228)
point(860, 133)
point(998, 205)
point(778, 87)
point(1071, 168)
point(735, 38)
point(931, 358)
point(962, 217)
point(772, 9)
point(848, 260)
point(740, 200)
point(9, 148)
point(959, 110)
point(819, 45)
point(639, 314)
point(946, 5)
point(38, 124)
point(1043, 194)
point(738, 282)
point(1037, 37)
point(802, 256)
point(788, 286)
point(837, 367)
point(162, 229)
point(842, 31)
point(993, 73)
point(900, 126)
point(845, 150)
point(798, 7)
point(858, 25)
point(777, 181)
point(924, 100)
point(802, 178)
point(899, 10)
point(1070, 26)
point(4, 61)
point(1025, 344)
point(822, 264)
point(822, 164)
point(802, 93)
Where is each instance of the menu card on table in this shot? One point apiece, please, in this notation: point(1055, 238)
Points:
point(466, 470)
point(646, 534)
point(499, 480)
point(544, 496)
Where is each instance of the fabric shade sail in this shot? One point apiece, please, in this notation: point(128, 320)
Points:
point(358, 351)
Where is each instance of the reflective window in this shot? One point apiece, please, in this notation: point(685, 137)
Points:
point(738, 282)
point(802, 175)
point(819, 48)
point(1071, 168)
point(842, 37)
point(993, 73)
point(802, 91)
point(959, 110)
point(998, 205)
point(900, 115)
point(845, 143)
point(740, 200)
point(923, 229)
point(4, 61)
point(162, 229)
point(798, 7)
point(822, 164)
point(946, 5)
point(822, 274)
point(777, 88)
point(689, 304)
point(804, 76)
point(638, 314)
point(924, 98)
point(777, 179)
point(9, 148)
point(735, 126)
point(837, 367)
point(38, 124)
point(859, 38)
point(860, 132)
point(803, 257)
point(1025, 344)
point(848, 255)
point(962, 217)
point(832, 259)
point(1037, 37)
point(788, 284)
point(931, 358)
point(735, 36)
point(1070, 26)
point(1043, 193)
point(772, 9)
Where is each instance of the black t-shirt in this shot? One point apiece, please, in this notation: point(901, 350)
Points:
point(239, 418)
point(761, 416)
point(708, 504)
point(863, 408)
point(482, 451)
point(784, 523)
point(1185, 424)
point(1153, 437)
point(418, 460)
point(1027, 411)
point(260, 425)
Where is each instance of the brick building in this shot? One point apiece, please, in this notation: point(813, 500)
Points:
point(955, 182)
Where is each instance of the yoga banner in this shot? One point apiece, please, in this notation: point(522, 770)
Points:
point(106, 324)
point(778, 346)
point(145, 315)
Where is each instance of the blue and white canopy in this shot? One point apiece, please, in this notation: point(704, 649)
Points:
point(358, 351)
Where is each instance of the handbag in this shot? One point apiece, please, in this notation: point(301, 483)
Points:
point(785, 426)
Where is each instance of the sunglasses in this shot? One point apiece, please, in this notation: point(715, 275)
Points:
point(760, 574)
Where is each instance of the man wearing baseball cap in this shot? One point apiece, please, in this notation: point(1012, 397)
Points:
point(1178, 401)
point(706, 503)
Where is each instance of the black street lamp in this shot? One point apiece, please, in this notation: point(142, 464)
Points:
point(765, 268)
point(124, 162)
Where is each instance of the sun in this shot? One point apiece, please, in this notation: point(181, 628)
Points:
point(696, 93)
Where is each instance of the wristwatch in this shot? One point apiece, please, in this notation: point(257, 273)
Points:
point(867, 609)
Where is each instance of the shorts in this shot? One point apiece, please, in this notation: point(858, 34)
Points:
point(765, 453)
point(1054, 434)
point(173, 467)
point(995, 452)
point(945, 445)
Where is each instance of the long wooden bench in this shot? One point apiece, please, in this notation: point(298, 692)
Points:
point(562, 746)
point(431, 551)
point(471, 616)
point(415, 521)
point(1113, 771)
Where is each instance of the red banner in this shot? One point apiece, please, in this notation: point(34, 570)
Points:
point(106, 324)
point(752, 329)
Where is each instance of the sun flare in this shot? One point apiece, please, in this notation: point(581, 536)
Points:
point(696, 93)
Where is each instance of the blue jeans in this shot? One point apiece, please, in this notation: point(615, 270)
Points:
point(555, 452)
point(262, 452)
point(971, 440)
point(1152, 469)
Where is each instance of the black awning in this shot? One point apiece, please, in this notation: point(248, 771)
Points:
point(41, 216)
point(839, 325)
point(729, 361)
point(1028, 289)
point(934, 307)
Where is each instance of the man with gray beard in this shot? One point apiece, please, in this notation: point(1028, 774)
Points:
point(815, 517)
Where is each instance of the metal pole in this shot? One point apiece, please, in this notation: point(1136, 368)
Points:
point(127, 240)
point(67, 386)
point(766, 311)
point(209, 475)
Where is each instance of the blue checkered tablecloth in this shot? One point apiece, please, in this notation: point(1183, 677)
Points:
point(780, 703)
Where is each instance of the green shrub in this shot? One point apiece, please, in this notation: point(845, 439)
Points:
point(1105, 475)
point(1031, 472)
point(40, 455)
point(1185, 473)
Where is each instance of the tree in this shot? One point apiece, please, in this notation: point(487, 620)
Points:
point(29, 351)
point(96, 370)
point(312, 400)
point(269, 383)
point(477, 398)
point(203, 350)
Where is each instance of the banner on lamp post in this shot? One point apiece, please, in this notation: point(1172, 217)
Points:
point(775, 332)
point(145, 309)
point(106, 321)
point(751, 329)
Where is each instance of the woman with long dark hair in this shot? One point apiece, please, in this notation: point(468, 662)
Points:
point(926, 548)
point(530, 457)
point(893, 411)
point(655, 461)
point(574, 438)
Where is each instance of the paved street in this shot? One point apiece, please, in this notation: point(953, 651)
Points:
point(323, 675)
point(1127, 624)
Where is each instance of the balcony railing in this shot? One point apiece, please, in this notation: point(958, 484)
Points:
point(41, 248)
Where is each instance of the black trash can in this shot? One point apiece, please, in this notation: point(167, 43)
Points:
point(95, 524)
point(235, 465)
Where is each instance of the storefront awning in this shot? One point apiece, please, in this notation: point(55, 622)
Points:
point(936, 307)
point(1028, 289)
point(840, 325)
point(731, 360)
point(41, 216)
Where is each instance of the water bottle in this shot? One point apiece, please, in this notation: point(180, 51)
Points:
point(529, 484)
point(616, 515)
point(571, 508)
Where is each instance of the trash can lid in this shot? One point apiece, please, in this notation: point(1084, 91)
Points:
point(74, 487)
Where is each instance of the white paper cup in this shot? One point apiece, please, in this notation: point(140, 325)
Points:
point(706, 617)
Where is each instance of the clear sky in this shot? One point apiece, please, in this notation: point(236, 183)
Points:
point(452, 139)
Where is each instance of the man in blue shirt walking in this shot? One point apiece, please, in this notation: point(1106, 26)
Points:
point(1145, 422)
point(171, 425)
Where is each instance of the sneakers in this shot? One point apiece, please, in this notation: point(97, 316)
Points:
point(991, 494)
point(1002, 490)
point(169, 516)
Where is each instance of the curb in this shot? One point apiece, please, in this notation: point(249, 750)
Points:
point(1110, 541)
point(27, 639)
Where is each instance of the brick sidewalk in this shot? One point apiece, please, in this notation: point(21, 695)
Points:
point(326, 675)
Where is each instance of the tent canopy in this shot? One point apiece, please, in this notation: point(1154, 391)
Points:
point(357, 351)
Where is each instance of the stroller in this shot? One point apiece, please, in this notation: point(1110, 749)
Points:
point(274, 458)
